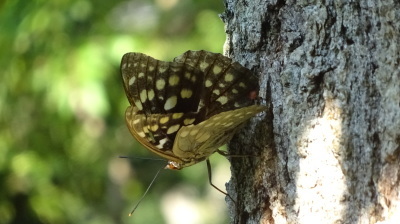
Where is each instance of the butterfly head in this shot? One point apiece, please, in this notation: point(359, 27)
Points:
point(190, 161)
point(172, 165)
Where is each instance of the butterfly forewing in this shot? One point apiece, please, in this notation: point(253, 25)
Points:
point(155, 86)
point(184, 110)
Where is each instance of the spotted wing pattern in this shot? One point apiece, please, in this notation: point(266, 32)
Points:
point(170, 99)
point(227, 84)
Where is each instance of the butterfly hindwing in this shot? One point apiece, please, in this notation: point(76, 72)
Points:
point(155, 86)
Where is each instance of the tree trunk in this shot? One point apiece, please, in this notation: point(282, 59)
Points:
point(328, 150)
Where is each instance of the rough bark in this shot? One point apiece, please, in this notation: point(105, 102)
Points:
point(328, 150)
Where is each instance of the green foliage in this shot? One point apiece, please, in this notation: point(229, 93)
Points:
point(62, 108)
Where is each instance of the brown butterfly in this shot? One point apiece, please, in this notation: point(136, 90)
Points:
point(186, 109)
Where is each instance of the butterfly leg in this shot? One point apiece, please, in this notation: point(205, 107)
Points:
point(223, 153)
point(210, 181)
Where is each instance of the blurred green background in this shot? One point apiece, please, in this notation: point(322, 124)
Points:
point(62, 108)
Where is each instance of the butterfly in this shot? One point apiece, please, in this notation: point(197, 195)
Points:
point(186, 109)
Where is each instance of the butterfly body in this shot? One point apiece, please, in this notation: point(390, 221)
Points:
point(184, 110)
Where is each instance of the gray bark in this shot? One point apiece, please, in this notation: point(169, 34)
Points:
point(328, 149)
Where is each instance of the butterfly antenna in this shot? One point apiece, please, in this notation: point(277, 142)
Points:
point(142, 158)
point(140, 200)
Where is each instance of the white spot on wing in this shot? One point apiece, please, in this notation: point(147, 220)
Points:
point(154, 127)
point(203, 66)
point(150, 94)
point(217, 69)
point(132, 80)
point(222, 99)
point(216, 92)
point(228, 77)
point(143, 95)
point(139, 104)
point(173, 80)
point(164, 120)
point(173, 129)
point(162, 142)
point(186, 93)
point(160, 83)
point(177, 115)
point(188, 121)
point(170, 103)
